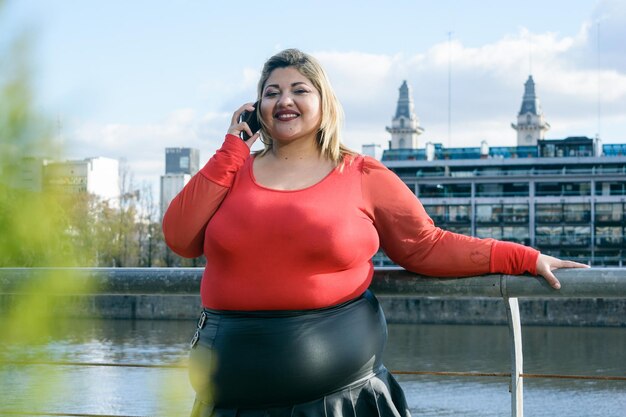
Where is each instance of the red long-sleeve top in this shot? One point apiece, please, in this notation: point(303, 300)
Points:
point(271, 249)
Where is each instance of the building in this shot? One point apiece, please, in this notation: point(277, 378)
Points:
point(98, 176)
point(404, 127)
point(29, 174)
point(180, 165)
point(182, 161)
point(566, 197)
point(373, 150)
point(171, 184)
point(531, 125)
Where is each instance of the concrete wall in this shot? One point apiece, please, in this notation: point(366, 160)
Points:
point(588, 297)
point(432, 310)
point(541, 312)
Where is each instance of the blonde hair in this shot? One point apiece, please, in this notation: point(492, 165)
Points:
point(329, 134)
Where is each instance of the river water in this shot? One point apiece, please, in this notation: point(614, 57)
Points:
point(123, 391)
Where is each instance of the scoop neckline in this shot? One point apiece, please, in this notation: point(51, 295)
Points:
point(259, 185)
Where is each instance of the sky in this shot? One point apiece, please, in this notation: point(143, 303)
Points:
point(126, 79)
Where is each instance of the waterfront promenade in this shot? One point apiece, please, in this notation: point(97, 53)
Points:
point(593, 297)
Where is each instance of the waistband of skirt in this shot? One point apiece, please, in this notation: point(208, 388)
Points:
point(367, 295)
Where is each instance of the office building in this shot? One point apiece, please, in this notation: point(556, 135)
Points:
point(182, 161)
point(180, 165)
point(171, 184)
point(566, 197)
point(28, 174)
point(98, 176)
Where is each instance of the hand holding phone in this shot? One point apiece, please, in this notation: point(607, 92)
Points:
point(252, 119)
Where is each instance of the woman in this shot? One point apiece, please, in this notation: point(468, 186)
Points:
point(288, 324)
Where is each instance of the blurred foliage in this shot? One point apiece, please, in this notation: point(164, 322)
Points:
point(41, 227)
point(31, 223)
point(33, 228)
point(123, 233)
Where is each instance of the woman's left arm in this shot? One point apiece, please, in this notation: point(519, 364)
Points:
point(410, 238)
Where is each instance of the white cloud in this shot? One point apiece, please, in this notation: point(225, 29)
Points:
point(143, 146)
point(487, 88)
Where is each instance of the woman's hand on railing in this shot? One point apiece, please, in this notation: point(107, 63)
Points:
point(546, 264)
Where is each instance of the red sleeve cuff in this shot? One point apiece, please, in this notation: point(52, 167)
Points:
point(223, 166)
point(513, 259)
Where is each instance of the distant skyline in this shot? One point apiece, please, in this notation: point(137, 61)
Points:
point(128, 79)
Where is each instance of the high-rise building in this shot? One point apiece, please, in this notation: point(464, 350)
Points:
point(182, 161)
point(171, 184)
point(180, 165)
point(566, 197)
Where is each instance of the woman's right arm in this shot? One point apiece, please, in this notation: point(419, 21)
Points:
point(189, 212)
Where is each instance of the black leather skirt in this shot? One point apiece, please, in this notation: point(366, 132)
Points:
point(312, 362)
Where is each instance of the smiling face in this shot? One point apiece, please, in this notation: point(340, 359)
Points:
point(290, 106)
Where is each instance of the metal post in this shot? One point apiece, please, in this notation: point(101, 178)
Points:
point(517, 359)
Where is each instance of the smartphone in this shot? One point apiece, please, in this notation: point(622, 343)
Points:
point(252, 119)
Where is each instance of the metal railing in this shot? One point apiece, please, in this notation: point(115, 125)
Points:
point(390, 281)
point(575, 283)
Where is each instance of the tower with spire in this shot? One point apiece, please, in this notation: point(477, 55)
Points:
point(404, 125)
point(531, 125)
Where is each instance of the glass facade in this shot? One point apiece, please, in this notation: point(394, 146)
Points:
point(445, 190)
point(488, 213)
point(516, 234)
point(577, 213)
point(464, 230)
point(549, 213)
point(546, 236)
point(509, 233)
point(612, 236)
point(564, 229)
point(182, 160)
point(611, 188)
point(492, 232)
point(459, 214)
point(437, 213)
point(570, 208)
point(609, 212)
point(449, 214)
point(515, 213)
point(560, 189)
point(502, 189)
point(576, 236)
